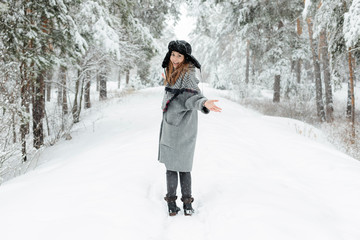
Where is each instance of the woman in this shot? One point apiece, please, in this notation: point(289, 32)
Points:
point(179, 124)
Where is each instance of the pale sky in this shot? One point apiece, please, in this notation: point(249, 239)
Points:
point(184, 26)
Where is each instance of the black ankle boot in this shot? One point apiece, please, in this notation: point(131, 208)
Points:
point(187, 205)
point(173, 209)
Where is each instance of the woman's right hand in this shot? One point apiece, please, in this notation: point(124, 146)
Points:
point(209, 104)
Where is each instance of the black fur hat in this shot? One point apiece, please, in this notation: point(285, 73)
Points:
point(182, 47)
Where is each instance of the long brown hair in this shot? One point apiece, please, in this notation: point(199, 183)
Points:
point(172, 74)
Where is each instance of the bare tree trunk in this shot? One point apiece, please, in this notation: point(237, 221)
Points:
point(38, 110)
point(25, 102)
point(253, 68)
point(127, 76)
point(65, 108)
point(25, 95)
point(276, 97)
point(277, 77)
point(24, 127)
point(318, 87)
point(298, 71)
point(87, 103)
point(28, 89)
point(348, 102)
point(354, 71)
point(103, 90)
point(23, 142)
point(13, 127)
point(75, 106)
point(298, 26)
point(292, 67)
point(48, 86)
point(81, 96)
point(119, 80)
point(247, 62)
point(39, 94)
point(298, 61)
point(59, 93)
point(98, 80)
point(352, 97)
point(48, 91)
point(327, 80)
point(47, 122)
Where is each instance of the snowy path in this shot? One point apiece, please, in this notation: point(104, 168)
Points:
point(254, 177)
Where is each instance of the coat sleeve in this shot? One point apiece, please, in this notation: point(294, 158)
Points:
point(195, 101)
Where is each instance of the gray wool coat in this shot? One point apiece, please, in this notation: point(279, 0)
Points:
point(179, 125)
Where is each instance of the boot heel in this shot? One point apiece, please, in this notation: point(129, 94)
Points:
point(187, 205)
point(188, 212)
point(172, 208)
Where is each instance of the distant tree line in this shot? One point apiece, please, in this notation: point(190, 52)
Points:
point(300, 49)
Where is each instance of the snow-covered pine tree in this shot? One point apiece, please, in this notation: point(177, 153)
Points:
point(329, 16)
point(34, 29)
point(99, 27)
point(143, 22)
point(326, 23)
point(234, 29)
point(352, 40)
point(309, 9)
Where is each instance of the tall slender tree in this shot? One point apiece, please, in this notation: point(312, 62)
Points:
point(327, 76)
point(317, 73)
point(352, 39)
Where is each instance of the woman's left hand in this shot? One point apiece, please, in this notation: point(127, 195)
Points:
point(209, 104)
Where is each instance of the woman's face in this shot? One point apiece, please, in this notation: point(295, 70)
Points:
point(176, 58)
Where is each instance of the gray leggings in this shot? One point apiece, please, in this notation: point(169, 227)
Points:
point(172, 183)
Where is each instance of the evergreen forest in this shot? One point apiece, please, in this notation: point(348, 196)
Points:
point(281, 58)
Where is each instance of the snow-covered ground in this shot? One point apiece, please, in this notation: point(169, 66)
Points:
point(254, 177)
